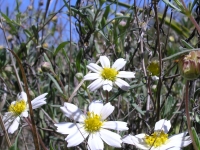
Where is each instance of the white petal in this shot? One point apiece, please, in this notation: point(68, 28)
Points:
point(179, 140)
point(122, 84)
point(175, 148)
point(14, 126)
point(163, 124)
point(39, 97)
point(126, 74)
point(92, 76)
point(115, 125)
point(73, 112)
point(77, 137)
point(107, 85)
point(96, 84)
point(38, 104)
point(24, 114)
point(39, 101)
point(105, 62)
point(119, 64)
point(67, 127)
point(96, 106)
point(111, 138)
point(95, 142)
point(129, 139)
point(106, 110)
point(94, 67)
point(8, 119)
point(137, 140)
point(22, 96)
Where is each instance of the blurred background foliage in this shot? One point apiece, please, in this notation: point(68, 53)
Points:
point(55, 45)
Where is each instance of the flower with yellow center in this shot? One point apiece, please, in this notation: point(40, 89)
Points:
point(105, 76)
point(92, 125)
point(19, 109)
point(159, 139)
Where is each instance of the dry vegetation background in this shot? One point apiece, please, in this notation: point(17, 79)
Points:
point(55, 45)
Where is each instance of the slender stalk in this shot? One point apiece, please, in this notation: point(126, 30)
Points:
point(107, 95)
point(190, 17)
point(188, 115)
point(40, 139)
point(5, 131)
point(70, 44)
point(35, 136)
point(160, 61)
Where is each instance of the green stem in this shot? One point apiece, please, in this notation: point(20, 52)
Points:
point(107, 95)
point(188, 115)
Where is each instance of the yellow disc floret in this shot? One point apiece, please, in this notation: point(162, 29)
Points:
point(156, 139)
point(18, 107)
point(109, 74)
point(92, 122)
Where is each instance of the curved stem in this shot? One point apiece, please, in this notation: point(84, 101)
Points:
point(187, 113)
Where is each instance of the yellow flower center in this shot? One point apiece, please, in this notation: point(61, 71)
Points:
point(18, 107)
point(156, 139)
point(92, 122)
point(109, 74)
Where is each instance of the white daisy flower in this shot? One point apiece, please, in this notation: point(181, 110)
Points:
point(159, 139)
point(19, 109)
point(93, 124)
point(105, 76)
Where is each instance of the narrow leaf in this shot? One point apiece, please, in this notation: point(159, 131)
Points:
point(55, 82)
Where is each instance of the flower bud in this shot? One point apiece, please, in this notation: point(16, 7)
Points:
point(154, 68)
point(54, 19)
point(189, 65)
point(79, 76)
point(46, 66)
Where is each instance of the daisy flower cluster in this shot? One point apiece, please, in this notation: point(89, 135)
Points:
point(93, 127)
point(96, 126)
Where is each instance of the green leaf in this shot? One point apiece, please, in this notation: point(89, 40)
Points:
point(90, 13)
point(51, 146)
point(60, 46)
point(78, 60)
point(169, 107)
point(28, 33)
point(187, 45)
point(10, 23)
point(171, 5)
point(138, 108)
point(196, 138)
point(176, 26)
point(35, 32)
point(14, 147)
point(55, 82)
point(105, 16)
point(180, 53)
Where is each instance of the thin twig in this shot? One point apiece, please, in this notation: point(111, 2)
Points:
point(160, 61)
